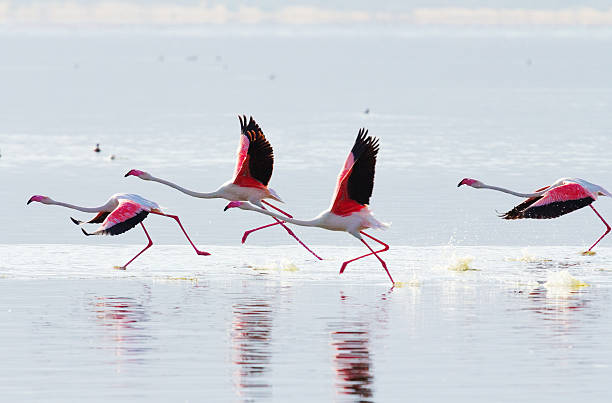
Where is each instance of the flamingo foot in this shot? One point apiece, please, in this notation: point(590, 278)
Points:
point(119, 268)
point(588, 253)
point(202, 253)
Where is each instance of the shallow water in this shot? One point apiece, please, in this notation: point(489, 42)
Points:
point(477, 314)
point(258, 323)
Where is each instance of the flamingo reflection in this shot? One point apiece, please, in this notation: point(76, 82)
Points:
point(251, 330)
point(123, 318)
point(353, 364)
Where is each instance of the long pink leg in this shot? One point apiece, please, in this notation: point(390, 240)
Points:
point(372, 252)
point(276, 208)
point(607, 228)
point(247, 233)
point(282, 224)
point(199, 252)
point(139, 253)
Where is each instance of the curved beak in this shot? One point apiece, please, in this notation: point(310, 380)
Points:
point(127, 174)
point(226, 208)
point(29, 201)
point(461, 183)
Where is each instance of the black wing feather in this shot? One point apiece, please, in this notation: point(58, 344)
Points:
point(551, 210)
point(123, 226)
point(361, 179)
point(261, 155)
point(517, 212)
point(98, 219)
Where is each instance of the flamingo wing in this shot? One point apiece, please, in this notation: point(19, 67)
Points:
point(255, 159)
point(356, 179)
point(99, 218)
point(123, 218)
point(554, 203)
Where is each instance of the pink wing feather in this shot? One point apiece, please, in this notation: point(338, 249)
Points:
point(554, 203)
point(125, 217)
point(241, 154)
point(342, 204)
point(571, 191)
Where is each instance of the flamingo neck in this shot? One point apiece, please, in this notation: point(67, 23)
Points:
point(83, 209)
point(211, 195)
point(512, 192)
point(315, 222)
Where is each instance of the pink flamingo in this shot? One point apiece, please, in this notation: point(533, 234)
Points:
point(251, 176)
point(119, 214)
point(562, 197)
point(349, 211)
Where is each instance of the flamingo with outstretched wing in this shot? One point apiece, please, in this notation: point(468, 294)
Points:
point(254, 165)
point(562, 197)
point(119, 214)
point(349, 210)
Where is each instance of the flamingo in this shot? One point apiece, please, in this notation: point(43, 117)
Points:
point(563, 196)
point(349, 210)
point(251, 176)
point(119, 214)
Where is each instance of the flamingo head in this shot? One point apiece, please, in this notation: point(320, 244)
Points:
point(141, 174)
point(470, 182)
point(233, 204)
point(40, 199)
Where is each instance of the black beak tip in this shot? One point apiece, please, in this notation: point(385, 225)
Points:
point(29, 201)
point(126, 175)
point(460, 183)
point(226, 208)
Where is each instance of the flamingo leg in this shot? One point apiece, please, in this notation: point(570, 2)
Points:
point(174, 217)
point(276, 208)
point(608, 228)
point(247, 233)
point(372, 252)
point(139, 253)
point(282, 224)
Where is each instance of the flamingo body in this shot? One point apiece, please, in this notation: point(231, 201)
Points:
point(349, 210)
point(562, 197)
point(119, 214)
point(254, 166)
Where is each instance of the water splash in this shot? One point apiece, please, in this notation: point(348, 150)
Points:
point(461, 264)
point(563, 279)
point(528, 257)
point(277, 265)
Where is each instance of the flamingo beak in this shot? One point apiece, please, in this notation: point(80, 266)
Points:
point(30, 201)
point(461, 183)
point(128, 174)
point(232, 205)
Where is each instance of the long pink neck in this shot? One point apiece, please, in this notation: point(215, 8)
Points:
point(106, 207)
point(512, 192)
point(211, 195)
point(304, 223)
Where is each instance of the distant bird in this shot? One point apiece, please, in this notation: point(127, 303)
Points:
point(349, 211)
point(250, 182)
point(367, 111)
point(97, 148)
point(562, 197)
point(119, 214)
